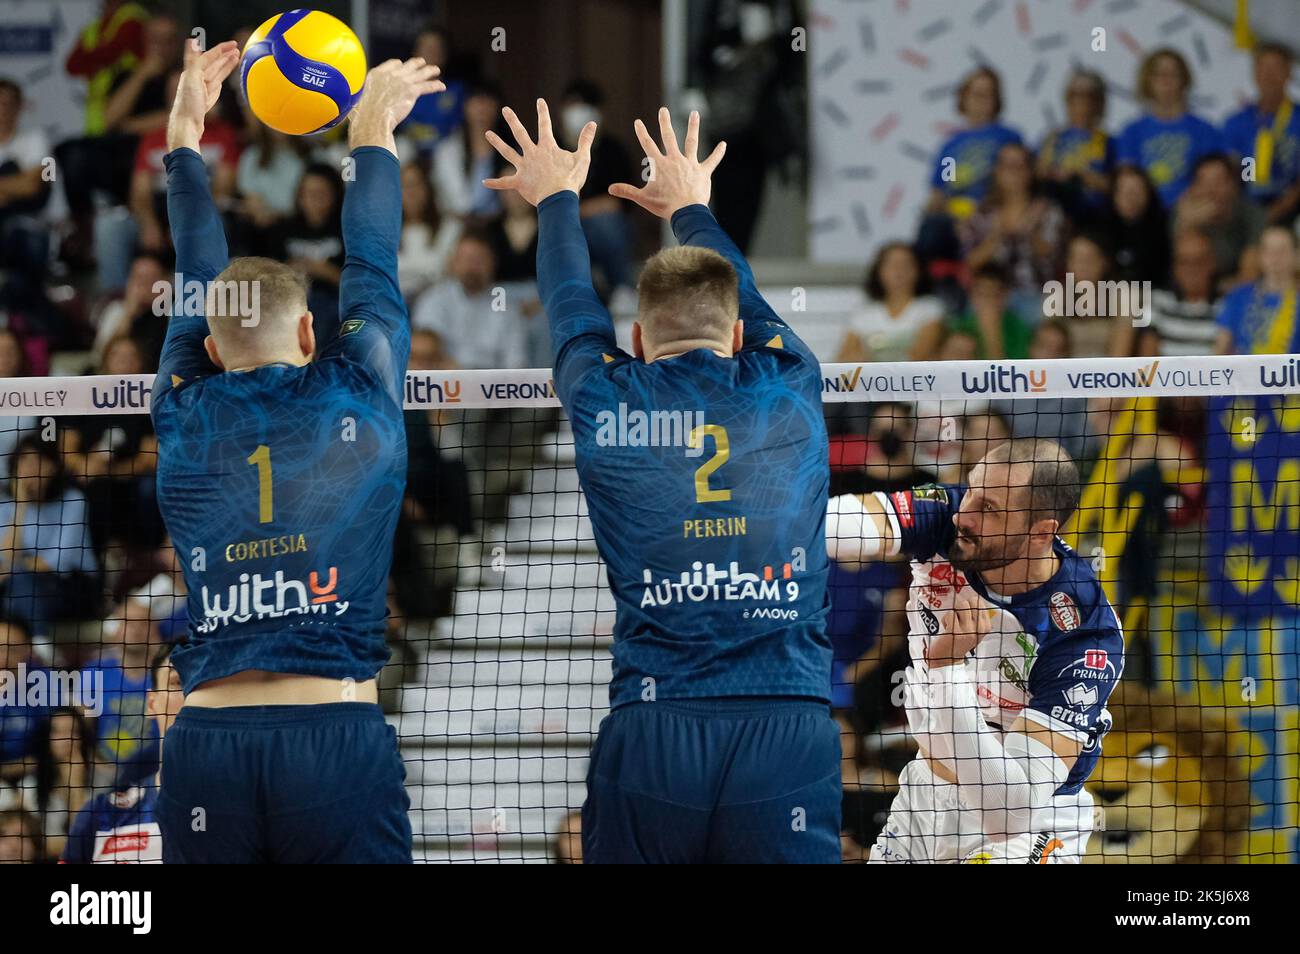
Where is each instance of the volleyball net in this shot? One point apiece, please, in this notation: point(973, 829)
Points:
point(500, 617)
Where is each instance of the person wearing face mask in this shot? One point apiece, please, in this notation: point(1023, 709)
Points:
point(609, 238)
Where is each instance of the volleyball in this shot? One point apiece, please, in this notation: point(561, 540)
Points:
point(302, 71)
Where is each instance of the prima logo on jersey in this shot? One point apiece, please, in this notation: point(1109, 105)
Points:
point(1093, 664)
point(705, 581)
point(1081, 696)
point(932, 492)
point(244, 600)
point(1064, 613)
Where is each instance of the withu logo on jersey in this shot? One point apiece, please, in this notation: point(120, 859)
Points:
point(245, 599)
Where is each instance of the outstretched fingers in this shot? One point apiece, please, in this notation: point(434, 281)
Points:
point(691, 146)
point(516, 127)
point(647, 141)
point(715, 157)
point(667, 133)
point(504, 148)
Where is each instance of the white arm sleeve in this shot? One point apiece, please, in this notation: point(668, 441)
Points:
point(853, 535)
point(1006, 778)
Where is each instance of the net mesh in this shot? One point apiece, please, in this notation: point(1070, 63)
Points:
point(500, 617)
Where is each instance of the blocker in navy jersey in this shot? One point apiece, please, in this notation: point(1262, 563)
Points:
point(116, 828)
point(1076, 643)
point(281, 486)
point(715, 551)
point(716, 558)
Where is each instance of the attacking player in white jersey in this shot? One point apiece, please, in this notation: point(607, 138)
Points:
point(1015, 650)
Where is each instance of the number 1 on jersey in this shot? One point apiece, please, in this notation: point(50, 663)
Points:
point(262, 458)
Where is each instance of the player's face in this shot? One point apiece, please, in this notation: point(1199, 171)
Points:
point(992, 527)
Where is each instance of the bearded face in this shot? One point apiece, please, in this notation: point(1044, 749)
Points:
point(993, 524)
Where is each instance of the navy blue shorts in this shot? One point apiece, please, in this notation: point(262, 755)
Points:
point(714, 781)
point(310, 784)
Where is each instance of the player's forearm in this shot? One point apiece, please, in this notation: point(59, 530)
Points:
point(1006, 778)
point(371, 129)
point(564, 274)
point(197, 232)
point(858, 529)
point(372, 226)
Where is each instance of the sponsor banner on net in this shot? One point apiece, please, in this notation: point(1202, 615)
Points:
point(841, 383)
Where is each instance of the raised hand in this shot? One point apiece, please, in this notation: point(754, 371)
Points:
point(391, 90)
point(204, 73)
point(677, 177)
point(542, 168)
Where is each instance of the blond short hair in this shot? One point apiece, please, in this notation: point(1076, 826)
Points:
point(688, 293)
point(253, 308)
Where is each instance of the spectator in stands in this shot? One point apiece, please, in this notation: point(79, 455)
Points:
point(266, 178)
point(133, 313)
point(20, 838)
point(13, 364)
point(604, 219)
point(1076, 160)
point(1183, 314)
point(118, 827)
point(125, 739)
point(514, 235)
point(24, 727)
point(437, 508)
point(1215, 204)
point(998, 331)
point(1167, 141)
point(138, 103)
point(48, 568)
point(428, 236)
point(147, 225)
point(116, 457)
point(107, 53)
point(463, 158)
point(958, 346)
point(23, 187)
point(963, 170)
point(310, 241)
point(1136, 228)
point(480, 327)
point(1107, 329)
point(1260, 317)
point(1017, 228)
point(1064, 420)
point(438, 115)
point(1267, 131)
point(900, 320)
point(107, 49)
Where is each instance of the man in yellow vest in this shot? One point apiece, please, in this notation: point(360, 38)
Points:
point(107, 48)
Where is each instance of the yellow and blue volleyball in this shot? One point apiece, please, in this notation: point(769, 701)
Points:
point(302, 71)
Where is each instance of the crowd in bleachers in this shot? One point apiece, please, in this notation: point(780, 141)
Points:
point(1204, 208)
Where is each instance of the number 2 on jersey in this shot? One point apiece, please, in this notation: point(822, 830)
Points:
point(721, 451)
point(262, 458)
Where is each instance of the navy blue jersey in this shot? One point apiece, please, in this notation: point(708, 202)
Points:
point(706, 481)
point(1063, 671)
point(281, 486)
point(116, 828)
